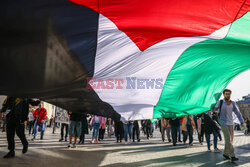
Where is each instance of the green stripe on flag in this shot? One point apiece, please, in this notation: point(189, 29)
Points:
point(201, 73)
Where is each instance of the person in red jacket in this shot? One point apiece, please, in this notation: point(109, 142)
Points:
point(40, 116)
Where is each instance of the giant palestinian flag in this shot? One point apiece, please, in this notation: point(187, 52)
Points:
point(141, 59)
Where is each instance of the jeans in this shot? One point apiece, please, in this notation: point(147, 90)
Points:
point(42, 126)
point(174, 134)
point(127, 131)
point(95, 134)
point(62, 130)
point(30, 125)
point(215, 139)
point(188, 133)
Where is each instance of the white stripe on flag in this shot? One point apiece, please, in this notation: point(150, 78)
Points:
point(117, 57)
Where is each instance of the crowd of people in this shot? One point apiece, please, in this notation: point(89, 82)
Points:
point(16, 114)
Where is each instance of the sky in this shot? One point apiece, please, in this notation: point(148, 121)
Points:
point(240, 85)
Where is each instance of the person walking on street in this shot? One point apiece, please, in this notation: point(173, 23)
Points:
point(102, 129)
point(148, 125)
point(40, 116)
point(136, 130)
point(110, 127)
point(175, 123)
point(31, 121)
point(66, 127)
point(197, 121)
point(215, 118)
point(96, 121)
point(74, 128)
point(84, 129)
point(127, 126)
point(225, 109)
point(16, 111)
point(165, 126)
point(187, 127)
point(210, 127)
point(119, 131)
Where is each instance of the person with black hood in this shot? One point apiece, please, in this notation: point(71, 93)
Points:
point(16, 111)
point(210, 127)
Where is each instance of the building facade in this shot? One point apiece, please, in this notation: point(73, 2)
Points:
point(244, 106)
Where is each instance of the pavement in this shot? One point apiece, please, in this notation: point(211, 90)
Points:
point(51, 153)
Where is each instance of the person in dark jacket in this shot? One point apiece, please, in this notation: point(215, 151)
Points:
point(136, 130)
point(16, 111)
point(119, 131)
point(210, 128)
point(84, 129)
point(175, 123)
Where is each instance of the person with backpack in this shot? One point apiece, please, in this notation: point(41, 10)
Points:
point(16, 111)
point(225, 109)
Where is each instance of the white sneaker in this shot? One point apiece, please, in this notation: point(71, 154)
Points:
point(216, 150)
point(69, 145)
point(208, 150)
point(73, 146)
